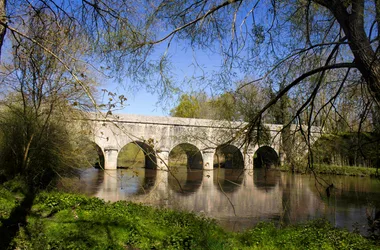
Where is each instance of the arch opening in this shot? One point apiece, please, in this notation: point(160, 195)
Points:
point(186, 168)
point(138, 162)
point(94, 156)
point(229, 157)
point(266, 157)
point(229, 162)
point(186, 154)
point(89, 177)
point(137, 155)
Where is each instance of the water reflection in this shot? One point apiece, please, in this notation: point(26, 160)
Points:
point(185, 180)
point(88, 181)
point(228, 180)
point(265, 179)
point(272, 195)
point(123, 183)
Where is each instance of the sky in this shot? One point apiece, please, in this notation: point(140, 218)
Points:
point(142, 102)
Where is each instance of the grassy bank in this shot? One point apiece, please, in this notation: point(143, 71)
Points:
point(334, 170)
point(69, 221)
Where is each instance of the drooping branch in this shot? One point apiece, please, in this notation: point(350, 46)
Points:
point(196, 20)
point(292, 55)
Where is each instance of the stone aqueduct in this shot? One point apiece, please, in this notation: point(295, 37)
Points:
point(157, 136)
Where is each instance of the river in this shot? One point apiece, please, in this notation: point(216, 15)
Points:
point(239, 199)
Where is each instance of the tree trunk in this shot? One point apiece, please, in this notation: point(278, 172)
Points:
point(351, 20)
point(3, 21)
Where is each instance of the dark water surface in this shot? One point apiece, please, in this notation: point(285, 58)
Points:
point(239, 199)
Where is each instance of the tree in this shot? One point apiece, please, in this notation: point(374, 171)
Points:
point(238, 104)
point(40, 100)
point(188, 107)
point(199, 105)
point(305, 37)
point(37, 138)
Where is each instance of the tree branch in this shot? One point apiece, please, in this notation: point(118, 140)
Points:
point(252, 122)
point(209, 12)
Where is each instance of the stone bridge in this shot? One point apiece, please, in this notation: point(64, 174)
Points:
point(158, 136)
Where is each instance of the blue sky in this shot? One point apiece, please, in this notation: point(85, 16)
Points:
point(142, 102)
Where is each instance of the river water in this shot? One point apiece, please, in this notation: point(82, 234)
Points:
point(239, 199)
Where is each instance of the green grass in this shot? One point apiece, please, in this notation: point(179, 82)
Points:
point(69, 221)
point(317, 234)
point(335, 170)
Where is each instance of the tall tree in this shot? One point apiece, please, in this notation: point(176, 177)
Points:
point(37, 141)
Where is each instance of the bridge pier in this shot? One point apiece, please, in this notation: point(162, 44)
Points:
point(162, 159)
point(110, 158)
point(208, 158)
point(248, 160)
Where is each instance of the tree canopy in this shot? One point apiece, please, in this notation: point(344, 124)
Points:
point(318, 52)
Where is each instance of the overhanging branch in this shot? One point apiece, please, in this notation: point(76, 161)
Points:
point(273, 101)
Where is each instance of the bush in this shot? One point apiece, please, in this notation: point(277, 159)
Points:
point(348, 149)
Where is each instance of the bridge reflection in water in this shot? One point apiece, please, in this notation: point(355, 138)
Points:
point(239, 198)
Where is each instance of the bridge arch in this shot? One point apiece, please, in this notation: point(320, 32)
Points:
point(94, 155)
point(185, 168)
point(137, 153)
point(228, 156)
point(229, 165)
point(186, 154)
point(266, 157)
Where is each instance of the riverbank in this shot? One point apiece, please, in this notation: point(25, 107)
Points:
point(70, 221)
point(333, 170)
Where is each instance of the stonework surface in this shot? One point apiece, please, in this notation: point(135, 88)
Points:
point(162, 134)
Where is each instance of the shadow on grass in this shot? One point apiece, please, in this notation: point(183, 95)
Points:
point(11, 226)
point(88, 234)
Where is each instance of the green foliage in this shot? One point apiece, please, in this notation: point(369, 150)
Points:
point(9, 198)
point(332, 169)
point(224, 107)
point(36, 138)
point(188, 107)
point(73, 221)
point(350, 149)
point(318, 234)
point(232, 106)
